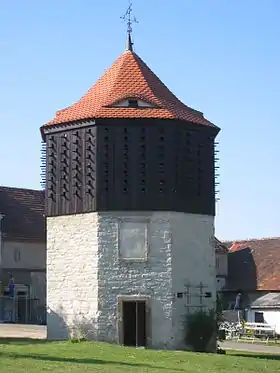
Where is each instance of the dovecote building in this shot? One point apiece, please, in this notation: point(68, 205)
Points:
point(130, 206)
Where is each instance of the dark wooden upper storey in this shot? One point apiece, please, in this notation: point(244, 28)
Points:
point(129, 144)
point(131, 165)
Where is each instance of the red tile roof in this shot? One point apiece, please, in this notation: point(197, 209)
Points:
point(254, 265)
point(24, 214)
point(128, 77)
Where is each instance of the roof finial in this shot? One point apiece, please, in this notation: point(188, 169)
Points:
point(129, 20)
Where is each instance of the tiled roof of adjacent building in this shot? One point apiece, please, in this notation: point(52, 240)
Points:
point(23, 211)
point(270, 300)
point(129, 77)
point(254, 264)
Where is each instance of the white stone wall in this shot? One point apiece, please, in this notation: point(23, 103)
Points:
point(193, 263)
point(271, 317)
point(72, 260)
point(152, 278)
point(85, 275)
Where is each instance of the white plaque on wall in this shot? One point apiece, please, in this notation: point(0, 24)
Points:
point(133, 240)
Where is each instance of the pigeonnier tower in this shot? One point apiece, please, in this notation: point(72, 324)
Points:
point(130, 206)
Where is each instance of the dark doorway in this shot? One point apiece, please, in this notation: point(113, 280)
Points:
point(22, 310)
point(134, 323)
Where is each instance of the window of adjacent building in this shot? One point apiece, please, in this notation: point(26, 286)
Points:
point(259, 317)
point(16, 255)
point(133, 240)
point(217, 262)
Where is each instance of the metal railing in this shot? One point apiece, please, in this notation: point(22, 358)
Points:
point(22, 310)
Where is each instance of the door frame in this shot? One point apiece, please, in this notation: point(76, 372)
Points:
point(134, 298)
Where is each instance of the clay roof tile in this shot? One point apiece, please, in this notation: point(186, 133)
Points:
point(128, 77)
point(23, 211)
point(254, 264)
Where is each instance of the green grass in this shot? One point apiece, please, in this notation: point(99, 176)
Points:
point(62, 357)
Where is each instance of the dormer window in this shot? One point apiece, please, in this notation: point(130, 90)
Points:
point(133, 103)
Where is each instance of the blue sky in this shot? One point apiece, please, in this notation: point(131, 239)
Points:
point(221, 57)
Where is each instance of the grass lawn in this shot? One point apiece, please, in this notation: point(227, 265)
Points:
point(62, 357)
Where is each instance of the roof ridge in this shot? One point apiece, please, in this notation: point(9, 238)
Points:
point(142, 64)
point(114, 85)
point(251, 239)
point(103, 76)
point(172, 99)
point(19, 188)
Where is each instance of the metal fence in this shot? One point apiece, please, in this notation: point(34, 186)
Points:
point(22, 310)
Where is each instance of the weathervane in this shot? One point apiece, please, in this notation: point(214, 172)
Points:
point(127, 17)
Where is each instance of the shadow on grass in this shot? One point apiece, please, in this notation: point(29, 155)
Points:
point(22, 341)
point(56, 359)
point(262, 356)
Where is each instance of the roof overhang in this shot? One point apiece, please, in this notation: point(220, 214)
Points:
point(46, 129)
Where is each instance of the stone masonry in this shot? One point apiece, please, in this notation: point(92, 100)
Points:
point(85, 276)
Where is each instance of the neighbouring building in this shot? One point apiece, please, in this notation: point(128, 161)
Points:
point(266, 309)
point(23, 247)
point(221, 251)
point(254, 271)
point(130, 186)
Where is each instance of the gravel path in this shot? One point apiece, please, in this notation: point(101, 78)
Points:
point(252, 347)
point(22, 331)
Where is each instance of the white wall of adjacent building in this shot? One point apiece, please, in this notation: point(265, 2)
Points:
point(270, 317)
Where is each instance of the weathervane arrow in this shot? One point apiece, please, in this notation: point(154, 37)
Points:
point(127, 17)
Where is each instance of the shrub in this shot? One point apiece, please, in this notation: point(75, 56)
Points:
point(200, 327)
point(77, 334)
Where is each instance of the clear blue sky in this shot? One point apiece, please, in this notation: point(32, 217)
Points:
point(221, 57)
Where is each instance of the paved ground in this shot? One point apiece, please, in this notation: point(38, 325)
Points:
point(253, 347)
point(22, 331)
